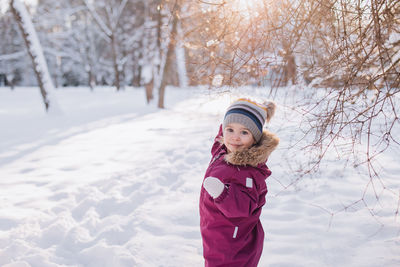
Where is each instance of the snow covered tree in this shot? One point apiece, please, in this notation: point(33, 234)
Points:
point(35, 51)
point(128, 30)
point(53, 24)
point(107, 15)
point(12, 52)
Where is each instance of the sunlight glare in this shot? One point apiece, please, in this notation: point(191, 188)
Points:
point(247, 8)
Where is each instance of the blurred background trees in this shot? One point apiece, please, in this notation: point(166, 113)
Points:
point(327, 43)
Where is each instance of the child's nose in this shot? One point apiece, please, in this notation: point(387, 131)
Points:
point(236, 136)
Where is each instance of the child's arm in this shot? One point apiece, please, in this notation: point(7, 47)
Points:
point(217, 144)
point(233, 200)
point(237, 201)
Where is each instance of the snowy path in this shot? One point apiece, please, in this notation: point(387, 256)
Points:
point(123, 191)
point(108, 196)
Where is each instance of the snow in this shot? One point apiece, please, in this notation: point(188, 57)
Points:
point(115, 182)
point(217, 80)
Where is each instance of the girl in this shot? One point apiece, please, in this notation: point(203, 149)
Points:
point(234, 188)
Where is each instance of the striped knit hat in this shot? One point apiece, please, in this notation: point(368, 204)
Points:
point(250, 114)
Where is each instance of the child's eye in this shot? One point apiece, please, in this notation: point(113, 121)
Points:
point(245, 132)
point(229, 130)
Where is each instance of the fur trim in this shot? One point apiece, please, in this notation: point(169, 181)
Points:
point(256, 154)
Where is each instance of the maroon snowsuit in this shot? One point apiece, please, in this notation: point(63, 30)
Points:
point(230, 226)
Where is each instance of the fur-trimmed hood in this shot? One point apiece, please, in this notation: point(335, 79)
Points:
point(256, 154)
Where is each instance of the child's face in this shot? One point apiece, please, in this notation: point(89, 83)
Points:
point(237, 137)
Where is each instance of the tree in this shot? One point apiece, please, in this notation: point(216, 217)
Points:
point(35, 51)
point(12, 53)
point(170, 53)
point(361, 65)
point(107, 19)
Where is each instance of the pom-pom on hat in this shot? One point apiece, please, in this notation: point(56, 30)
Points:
point(250, 114)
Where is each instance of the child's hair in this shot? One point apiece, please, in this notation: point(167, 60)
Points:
point(250, 114)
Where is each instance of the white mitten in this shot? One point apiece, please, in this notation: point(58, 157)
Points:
point(213, 186)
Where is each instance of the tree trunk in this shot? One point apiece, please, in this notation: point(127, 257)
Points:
point(39, 66)
point(137, 77)
point(115, 62)
point(159, 37)
point(138, 71)
point(149, 90)
point(181, 60)
point(92, 82)
point(169, 59)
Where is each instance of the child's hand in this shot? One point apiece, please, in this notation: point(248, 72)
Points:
point(213, 186)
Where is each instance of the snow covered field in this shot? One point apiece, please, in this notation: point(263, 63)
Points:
point(114, 182)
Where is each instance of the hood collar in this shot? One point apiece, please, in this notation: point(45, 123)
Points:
point(256, 154)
